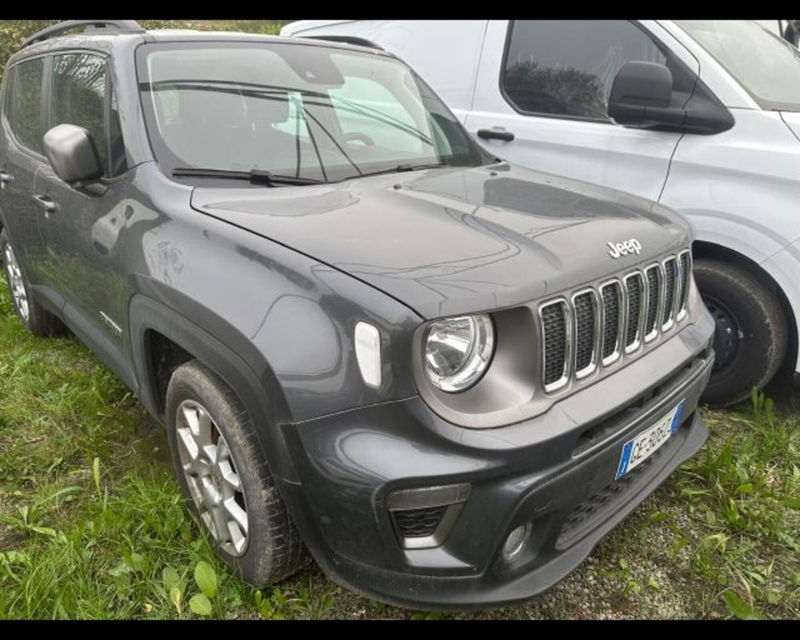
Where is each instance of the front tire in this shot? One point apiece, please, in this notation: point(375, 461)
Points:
point(751, 334)
point(38, 321)
point(225, 480)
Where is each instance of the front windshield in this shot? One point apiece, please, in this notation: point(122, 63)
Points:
point(315, 112)
point(764, 64)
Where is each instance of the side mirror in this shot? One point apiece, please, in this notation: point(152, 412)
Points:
point(791, 33)
point(640, 96)
point(72, 154)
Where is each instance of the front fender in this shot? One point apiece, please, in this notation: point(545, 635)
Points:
point(288, 317)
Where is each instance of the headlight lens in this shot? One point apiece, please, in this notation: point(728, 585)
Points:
point(458, 351)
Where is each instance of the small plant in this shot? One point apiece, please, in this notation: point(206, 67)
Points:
point(740, 608)
point(272, 607)
point(763, 407)
point(206, 579)
point(29, 518)
point(174, 587)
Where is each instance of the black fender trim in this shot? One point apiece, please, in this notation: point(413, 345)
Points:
point(261, 396)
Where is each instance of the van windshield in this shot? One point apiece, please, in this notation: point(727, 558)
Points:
point(314, 112)
point(765, 65)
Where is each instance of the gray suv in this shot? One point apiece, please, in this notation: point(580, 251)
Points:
point(444, 376)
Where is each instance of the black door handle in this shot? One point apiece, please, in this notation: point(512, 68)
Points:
point(495, 134)
point(46, 204)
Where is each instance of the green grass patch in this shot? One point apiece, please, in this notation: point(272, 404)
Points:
point(92, 524)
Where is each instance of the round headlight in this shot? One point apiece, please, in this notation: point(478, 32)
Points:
point(458, 351)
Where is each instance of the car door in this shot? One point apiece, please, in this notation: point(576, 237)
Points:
point(20, 159)
point(82, 225)
point(541, 98)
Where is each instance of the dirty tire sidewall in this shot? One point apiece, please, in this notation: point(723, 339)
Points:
point(761, 321)
point(274, 548)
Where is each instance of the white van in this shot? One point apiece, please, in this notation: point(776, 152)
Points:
point(711, 113)
point(789, 30)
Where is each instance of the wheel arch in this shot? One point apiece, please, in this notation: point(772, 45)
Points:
point(712, 250)
point(155, 328)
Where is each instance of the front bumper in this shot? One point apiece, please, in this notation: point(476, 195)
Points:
point(555, 471)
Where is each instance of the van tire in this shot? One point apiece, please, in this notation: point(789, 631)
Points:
point(753, 319)
point(37, 320)
point(274, 549)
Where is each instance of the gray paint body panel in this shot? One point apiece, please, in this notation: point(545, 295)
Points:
point(450, 241)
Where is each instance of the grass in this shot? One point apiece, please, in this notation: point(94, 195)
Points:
point(92, 525)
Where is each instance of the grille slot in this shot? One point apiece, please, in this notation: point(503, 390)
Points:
point(635, 288)
point(598, 325)
point(585, 314)
point(555, 341)
point(686, 272)
point(612, 320)
point(670, 291)
point(418, 523)
point(653, 296)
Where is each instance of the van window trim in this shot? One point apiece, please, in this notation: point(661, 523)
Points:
point(538, 114)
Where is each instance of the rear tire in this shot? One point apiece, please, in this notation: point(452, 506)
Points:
point(38, 321)
point(751, 335)
point(269, 548)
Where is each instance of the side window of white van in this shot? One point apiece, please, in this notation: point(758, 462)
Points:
point(567, 67)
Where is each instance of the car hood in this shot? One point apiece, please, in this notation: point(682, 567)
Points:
point(456, 240)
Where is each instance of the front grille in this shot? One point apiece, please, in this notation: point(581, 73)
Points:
point(554, 327)
point(585, 331)
point(592, 328)
point(418, 523)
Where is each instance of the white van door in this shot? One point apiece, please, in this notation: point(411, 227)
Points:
point(541, 97)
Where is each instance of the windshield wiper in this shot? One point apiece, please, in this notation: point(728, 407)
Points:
point(404, 167)
point(256, 176)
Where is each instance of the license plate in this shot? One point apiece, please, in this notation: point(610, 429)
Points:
point(638, 449)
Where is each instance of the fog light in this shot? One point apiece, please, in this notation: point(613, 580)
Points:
point(516, 541)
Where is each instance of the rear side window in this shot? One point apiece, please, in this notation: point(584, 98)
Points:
point(567, 67)
point(8, 96)
point(81, 95)
point(24, 103)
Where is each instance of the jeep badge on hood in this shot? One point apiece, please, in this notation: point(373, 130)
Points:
point(624, 248)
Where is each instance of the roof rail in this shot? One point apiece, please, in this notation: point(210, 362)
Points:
point(120, 26)
point(361, 42)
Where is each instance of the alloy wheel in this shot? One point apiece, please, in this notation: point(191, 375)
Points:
point(210, 472)
point(18, 290)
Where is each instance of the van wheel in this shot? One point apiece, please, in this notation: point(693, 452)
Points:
point(38, 321)
point(751, 334)
point(225, 480)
